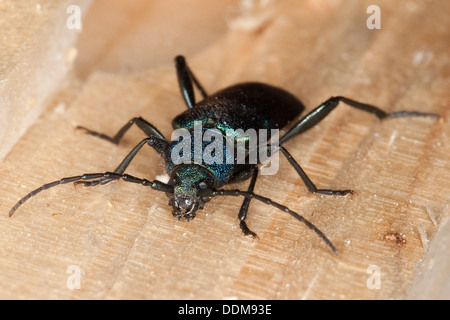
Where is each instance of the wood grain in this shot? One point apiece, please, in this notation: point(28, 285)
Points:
point(37, 53)
point(123, 238)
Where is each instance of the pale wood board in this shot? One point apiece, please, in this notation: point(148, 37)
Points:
point(123, 237)
point(37, 53)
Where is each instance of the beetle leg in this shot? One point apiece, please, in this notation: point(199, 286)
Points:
point(186, 79)
point(244, 208)
point(319, 113)
point(309, 184)
point(155, 140)
point(161, 146)
point(149, 129)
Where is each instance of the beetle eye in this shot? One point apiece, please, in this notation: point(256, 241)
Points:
point(203, 185)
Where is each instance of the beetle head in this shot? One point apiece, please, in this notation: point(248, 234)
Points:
point(187, 180)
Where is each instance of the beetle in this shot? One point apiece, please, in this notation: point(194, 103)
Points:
point(250, 105)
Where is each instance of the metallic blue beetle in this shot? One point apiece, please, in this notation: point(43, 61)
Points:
point(243, 106)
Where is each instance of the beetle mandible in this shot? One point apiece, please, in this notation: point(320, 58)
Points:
point(241, 106)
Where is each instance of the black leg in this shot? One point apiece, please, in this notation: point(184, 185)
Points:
point(235, 193)
point(244, 208)
point(161, 146)
point(186, 79)
point(149, 129)
point(319, 113)
point(309, 184)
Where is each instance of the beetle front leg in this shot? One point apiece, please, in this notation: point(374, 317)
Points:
point(244, 208)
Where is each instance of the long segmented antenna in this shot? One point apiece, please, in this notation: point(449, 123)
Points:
point(160, 186)
point(277, 205)
point(155, 184)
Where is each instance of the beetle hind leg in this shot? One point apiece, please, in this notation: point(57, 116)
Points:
point(186, 82)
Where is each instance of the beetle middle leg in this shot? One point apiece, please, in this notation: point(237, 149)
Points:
point(155, 140)
point(317, 115)
point(147, 127)
point(161, 146)
point(309, 184)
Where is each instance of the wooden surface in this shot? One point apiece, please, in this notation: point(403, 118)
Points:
point(37, 52)
point(123, 238)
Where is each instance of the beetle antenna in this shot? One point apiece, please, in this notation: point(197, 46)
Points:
point(160, 186)
point(155, 184)
point(251, 195)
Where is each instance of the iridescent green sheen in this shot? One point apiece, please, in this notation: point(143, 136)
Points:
point(247, 106)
